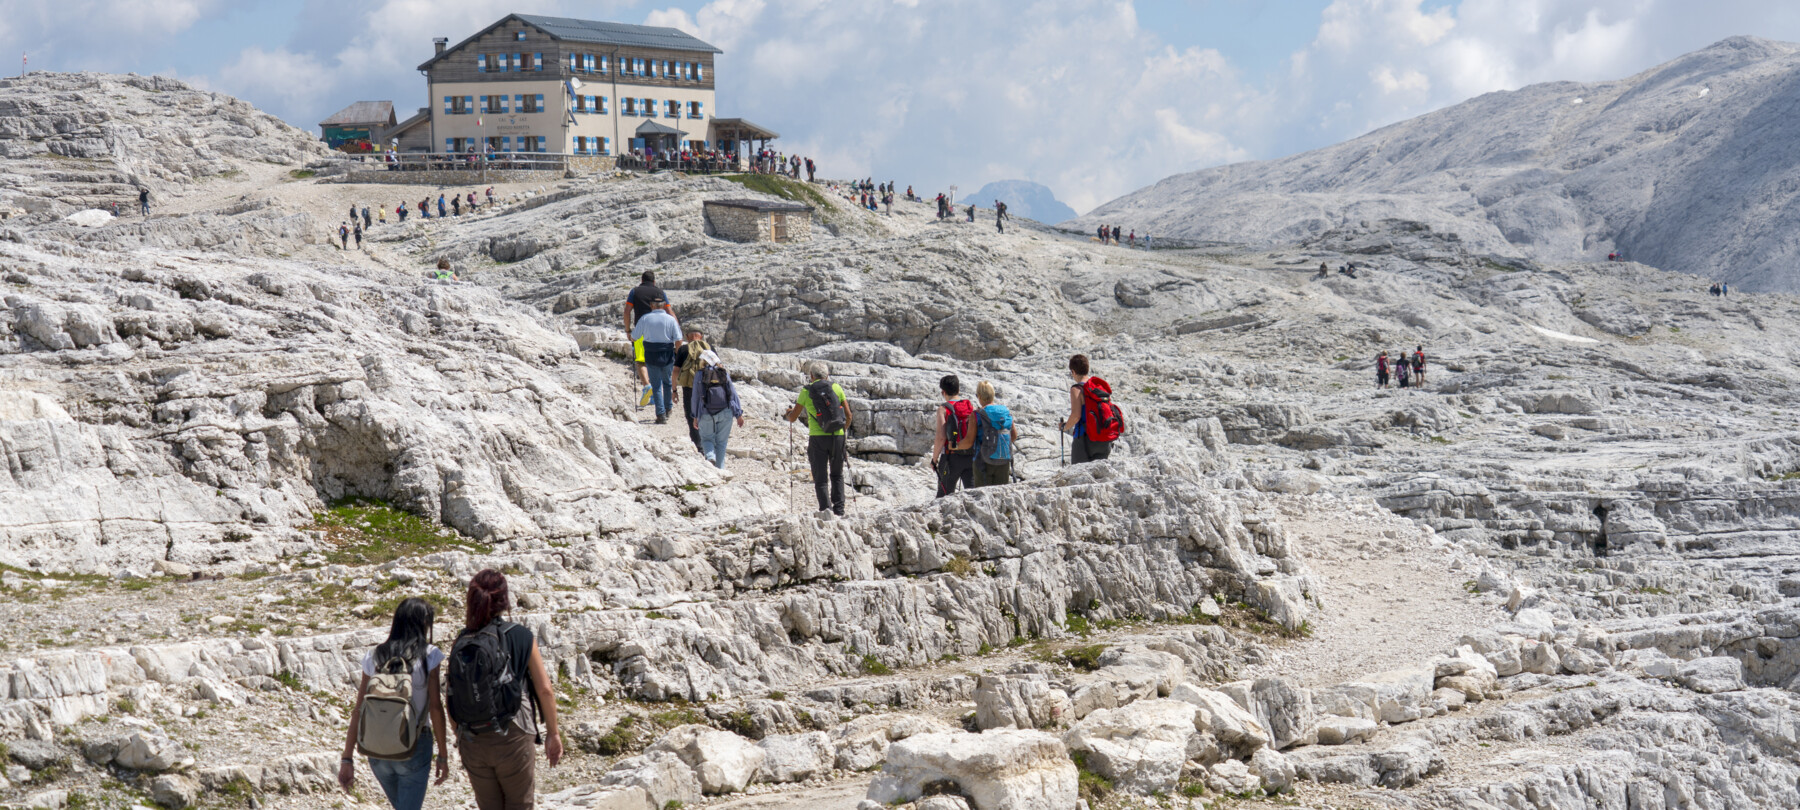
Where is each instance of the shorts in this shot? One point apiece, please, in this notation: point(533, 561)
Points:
point(638, 347)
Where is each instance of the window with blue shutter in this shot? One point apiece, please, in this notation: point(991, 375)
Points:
point(468, 105)
point(518, 103)
point(506, 144)
point(699, 73)
point(540, 144)
point(481, 63)
point(540, 103)
point(446, 105)
point(449, 144)
point(537, 61)
point(603, 105)
point(605, 145)
point(640, 67)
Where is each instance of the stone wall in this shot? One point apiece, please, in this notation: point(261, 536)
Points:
point(463, 177)
point(750, 225)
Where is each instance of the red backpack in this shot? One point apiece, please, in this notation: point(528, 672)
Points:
point(957, 433)
point(1104, 421)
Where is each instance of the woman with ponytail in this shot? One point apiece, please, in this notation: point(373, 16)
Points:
point(498, 689)
point(389, 724)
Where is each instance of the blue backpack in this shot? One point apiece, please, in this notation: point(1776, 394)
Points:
point(995, 443)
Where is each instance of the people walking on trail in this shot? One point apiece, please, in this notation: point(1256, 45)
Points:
point(953, 441)
point(490, 195)
point(471, 202)
point(809, 170)
point(971, 212)
point(1403, 371)
point(1094, 422)
point(994, 438)
point(659, 333)
point(494, 670)
point(397, 719)
point(1381, 364)
point(456, 204)
point(717, 406)
point(1000, 216)
point(343, 236)
point(1418, 366)
point(400, 212)
point(638, 303)
point(143, 201)
point(440, 206)
point(367, 223)
point(381, 214)
point(356, 229)
point(1146, 241)
point(1132, 237)
point(1115, 235)
point(1103, 234)
point(687, 365)
point(425, 208)
point(353, 216)
point(828, 416)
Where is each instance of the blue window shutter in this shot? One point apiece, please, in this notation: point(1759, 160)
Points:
point(541, 144)
point(446, 105)
point(605, 144)
point(518, 103)
point(483, 102)
point(468, 104)
point(481, 63)
point(540, 102)
point(700, 73)
point(537, 61)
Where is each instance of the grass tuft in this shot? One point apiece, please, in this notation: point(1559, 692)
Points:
point(366, 531)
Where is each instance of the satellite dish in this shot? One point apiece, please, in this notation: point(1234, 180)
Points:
point(574, 83)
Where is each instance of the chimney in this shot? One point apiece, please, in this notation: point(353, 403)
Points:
point(441, 43)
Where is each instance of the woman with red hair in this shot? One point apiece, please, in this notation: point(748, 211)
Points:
point(494, 669)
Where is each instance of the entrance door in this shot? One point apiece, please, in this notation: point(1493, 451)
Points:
point(778, 227)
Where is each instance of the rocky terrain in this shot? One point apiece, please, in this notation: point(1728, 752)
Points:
point(1561, 574)
point(1681, 167)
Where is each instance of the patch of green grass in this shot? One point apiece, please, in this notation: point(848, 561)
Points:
point(303, 174)
point(369, 531)
point(1092, 787)
point(873, 666)
point(1438, 440)
point(672, 804)
point(655, 614)
point(740, 723)
point(984, 649)
point(288, 679)
point(1086, 659)
point(1786, 476)
point(1674, 329)
point(960, 566)
point(1651, 590)
point(125, 706)
point(784, 188)
point(619, 739)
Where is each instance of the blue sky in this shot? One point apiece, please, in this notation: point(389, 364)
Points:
point(1093, 98)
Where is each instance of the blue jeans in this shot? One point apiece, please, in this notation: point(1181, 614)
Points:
point(659, 387)
point(404, 782)
point(715, 430)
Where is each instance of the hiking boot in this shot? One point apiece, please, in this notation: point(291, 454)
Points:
point(644, 399)
point(662, 418)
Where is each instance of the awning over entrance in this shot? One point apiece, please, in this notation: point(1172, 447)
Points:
point(737, 129)
point(651, 128)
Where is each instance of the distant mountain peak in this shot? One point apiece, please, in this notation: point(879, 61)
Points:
point(1023, 198)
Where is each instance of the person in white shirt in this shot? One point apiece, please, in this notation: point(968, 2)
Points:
point(408, 645)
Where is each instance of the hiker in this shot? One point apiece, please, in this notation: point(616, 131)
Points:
point(381, 215)
point(1418, 366)
point(490, 195)
point(1093, 422)
point(716, 404)
point(440, 206)
point(637, 305)
point(1724, 288)
point(343, 236)
point(425, 208)
point(809, 170)
point(658, 333)
point(143, 201)
point(1103, 232)
point(1381, 369)
point(994, 439)
point(971, 212)
point(353, 212)
point(356, 228)
point(1403, 371)
point(687, 364)
point(1132, 237)
point(471, 202)
point(397, 719)
point(1115, 235)
point(400, 211)
point(827, 413)
point(495, 729)
point(443, 272)
point(1324, 270)
point(1000, 216)
point(953, 441)
point(456, 204)
point(367, 224)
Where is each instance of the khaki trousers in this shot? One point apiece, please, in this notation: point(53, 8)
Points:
point(501, 767)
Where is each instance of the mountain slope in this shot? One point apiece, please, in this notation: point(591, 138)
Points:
point(1023, 198)
point(1687, 166)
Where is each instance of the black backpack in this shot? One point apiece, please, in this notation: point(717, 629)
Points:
point(715, 390)
point(827, 411)
point(485, 689)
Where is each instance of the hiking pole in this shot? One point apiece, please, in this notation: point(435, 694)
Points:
point(1059, 446)
point(790, 468)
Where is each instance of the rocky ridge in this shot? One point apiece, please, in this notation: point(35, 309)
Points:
point(1562, 574)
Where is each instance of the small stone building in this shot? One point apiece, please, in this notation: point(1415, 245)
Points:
point(760, 220)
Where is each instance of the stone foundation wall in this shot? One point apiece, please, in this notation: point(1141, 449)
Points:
point(464, 177)
point(748, 225)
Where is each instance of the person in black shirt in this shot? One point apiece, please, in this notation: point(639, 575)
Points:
point(639, 302)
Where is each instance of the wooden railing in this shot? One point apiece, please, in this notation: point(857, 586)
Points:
point(498, 161)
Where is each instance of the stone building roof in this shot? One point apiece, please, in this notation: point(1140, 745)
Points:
point(761, 205)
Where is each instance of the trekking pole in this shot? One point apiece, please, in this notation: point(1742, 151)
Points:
point(1064, 454)
point(790, 468)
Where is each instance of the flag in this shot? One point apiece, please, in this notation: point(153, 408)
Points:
point(477, 120)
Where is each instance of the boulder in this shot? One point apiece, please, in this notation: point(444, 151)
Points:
point(144, 751)
point(1230, 723)
point(1274, 769)
point(1401, 695)
point(1540, 658)
point(1401, 765)
point(1501, 651)
point(795, 757)
point(1232, 778)
point(35, 755)
point(599, 797)
point(1019, 701)
point(942, 802)
point(1140, 747)
point(1139, 672)
point(1580, 660)
point(1711, 675)
point(723, 761)
point(661, 775)
point(1345, 730)
point(862, 743)
point(175, 791)
point(1001, 769)
point(1281, 707)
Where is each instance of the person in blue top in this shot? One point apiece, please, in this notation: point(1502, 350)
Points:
point(440, 206)
point(994, 439)
point(659, 332)
point(715, 406)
